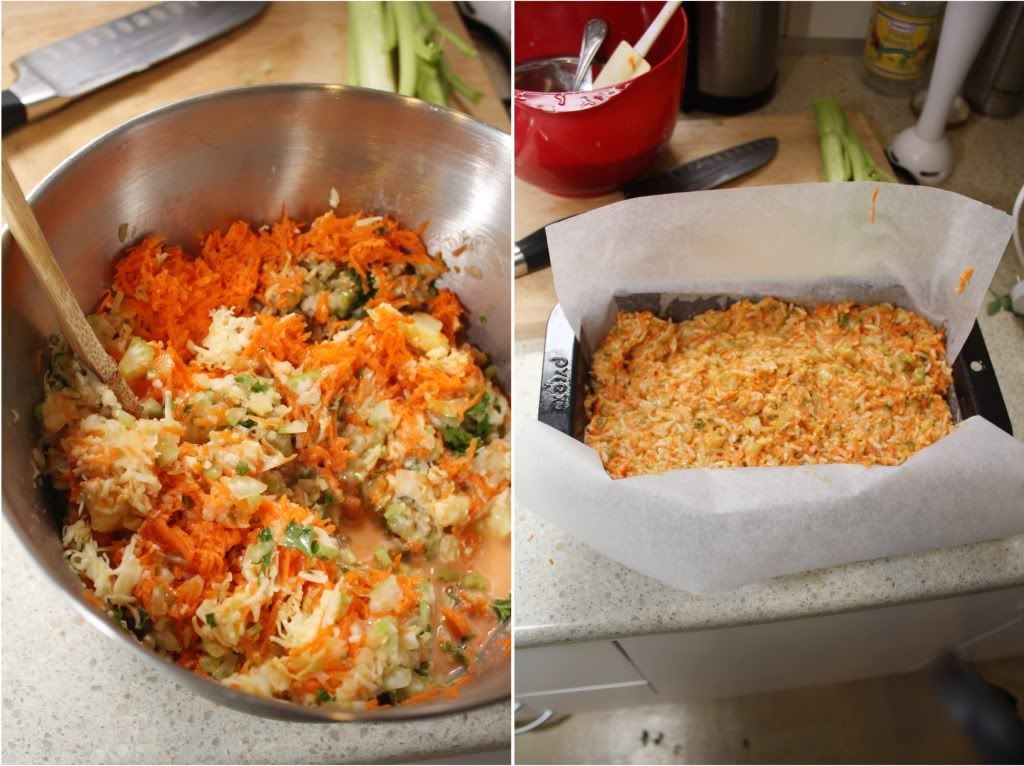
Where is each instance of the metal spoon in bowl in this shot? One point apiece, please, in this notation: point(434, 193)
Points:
point(593, 37)
point(80, 336)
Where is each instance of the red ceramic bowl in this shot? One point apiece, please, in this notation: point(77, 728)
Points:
point(587, 143)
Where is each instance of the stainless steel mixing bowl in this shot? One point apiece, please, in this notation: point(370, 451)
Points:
point(200, 164)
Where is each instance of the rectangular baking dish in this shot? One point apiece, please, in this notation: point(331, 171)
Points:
point(975, 389)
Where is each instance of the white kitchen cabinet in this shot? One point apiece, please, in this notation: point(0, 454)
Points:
point(588, 698)
point(556, 680)
point(803, 652)
point(1007, 640)
point(572, 666)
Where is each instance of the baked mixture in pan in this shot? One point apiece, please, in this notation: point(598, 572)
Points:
point(767, 383)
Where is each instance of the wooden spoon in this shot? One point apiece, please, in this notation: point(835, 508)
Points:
point(79, 334)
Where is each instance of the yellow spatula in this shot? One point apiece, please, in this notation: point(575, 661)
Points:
point(628, 61)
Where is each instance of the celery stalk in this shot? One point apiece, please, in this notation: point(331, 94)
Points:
point(463, 47)
point(834, 160)
point(376, 29)
point(459, 85)
point(406, 24)
point(429, 85)
point(390, 29)
point(352, 51)
point(427, 16)
point(843, 156)
point(367, 34)
point(858, 159)
point(426, 49)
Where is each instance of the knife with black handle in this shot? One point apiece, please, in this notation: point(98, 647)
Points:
point(531, 252)
point(50, 77)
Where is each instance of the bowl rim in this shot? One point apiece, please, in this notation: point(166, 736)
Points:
point(265, 707)
point(609, 89)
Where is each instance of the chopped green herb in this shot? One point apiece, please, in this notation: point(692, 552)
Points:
point(381, 230)
point(263, 552)
point(252, 383)
point(303, 538)
point(120, 617)
point(211, 619)
point(844, 320)
point(476, 421)
point(145, 621)
point(1001, 303)
point(645, 737)
point(456, 439)
point(242, 468)
point(503, 608)
point(448, 648)
point(322, 696)
point(327, 497)
point(247, 423)
point(661, 736)
point(300, 537)
point(423, 669)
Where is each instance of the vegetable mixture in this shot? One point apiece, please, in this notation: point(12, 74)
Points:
point(316, 506)
point(767, 383)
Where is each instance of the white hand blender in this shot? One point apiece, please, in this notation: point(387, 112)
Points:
point(626, 61)
point(923, 150)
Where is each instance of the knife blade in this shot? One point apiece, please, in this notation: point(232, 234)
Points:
point(531, 252)
point(50, 77)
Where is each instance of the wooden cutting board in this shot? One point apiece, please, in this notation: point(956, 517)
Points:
point(798, 161)
point(287, 42)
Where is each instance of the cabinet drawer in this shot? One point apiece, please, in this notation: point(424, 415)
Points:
point(589, 698)
point(1007, 641)
point(571, 666)
point(804, 652)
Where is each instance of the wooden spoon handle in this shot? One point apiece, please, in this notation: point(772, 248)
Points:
point(79, 334)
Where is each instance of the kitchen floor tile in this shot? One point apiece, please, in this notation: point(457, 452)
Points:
point(895, 719)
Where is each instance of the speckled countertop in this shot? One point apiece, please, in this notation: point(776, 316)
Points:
point(72, 696)
point(564, 591)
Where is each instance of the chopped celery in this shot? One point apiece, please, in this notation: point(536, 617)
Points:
point(244, 487)
point(137, 360)
point(461, 87)
point(166, 452)
point(386, 595)
point(475, 581)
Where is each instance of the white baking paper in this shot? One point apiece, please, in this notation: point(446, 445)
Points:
point(709, 530)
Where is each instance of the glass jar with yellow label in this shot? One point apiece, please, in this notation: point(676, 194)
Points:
point(900, 41)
